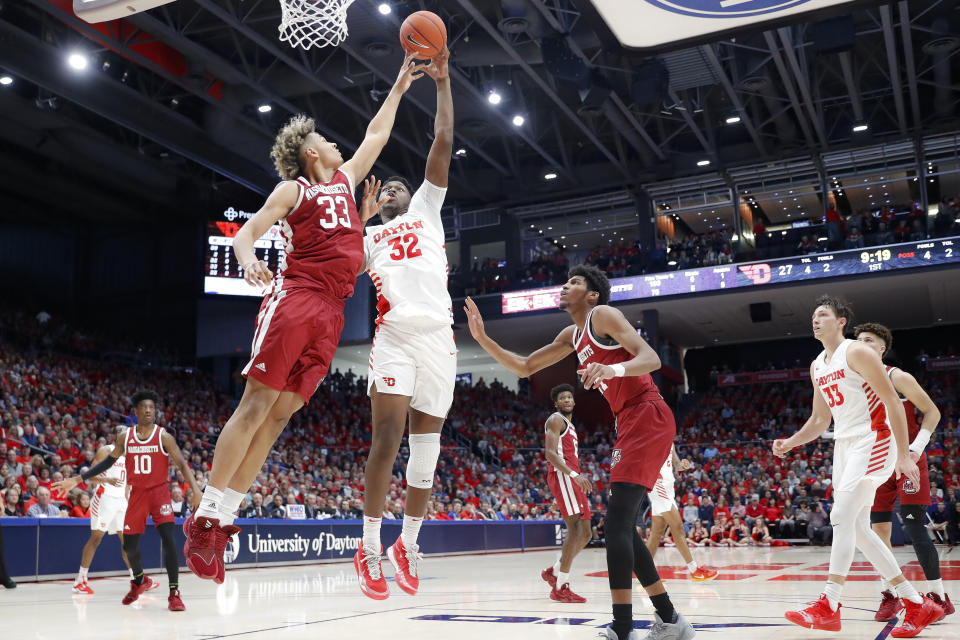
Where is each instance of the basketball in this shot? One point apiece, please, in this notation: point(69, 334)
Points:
point(423, 34)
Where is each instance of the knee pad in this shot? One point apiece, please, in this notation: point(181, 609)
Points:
point(424, 453)
point(878, 517)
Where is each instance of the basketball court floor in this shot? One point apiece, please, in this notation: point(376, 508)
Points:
point(464, 597)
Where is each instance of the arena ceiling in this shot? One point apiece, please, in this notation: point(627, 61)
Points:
point(170, 101)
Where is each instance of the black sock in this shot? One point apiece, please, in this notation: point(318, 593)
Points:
point(174, 586)
point(622, 620)
point(138, 578)
point(664, 607)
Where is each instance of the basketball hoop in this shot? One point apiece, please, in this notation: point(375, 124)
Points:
point(308, 23)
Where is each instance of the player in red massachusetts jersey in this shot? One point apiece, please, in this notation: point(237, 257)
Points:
point(147, 449)
point(569, 489)
point(616, 360)
point(301, 317)
point(914, 499)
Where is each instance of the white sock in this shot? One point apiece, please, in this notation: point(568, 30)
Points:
point(935, 586)
point(562, 579)
point(131, 573)
point(832, 591)
point(907, 591)
point(228, 506)
point(885, 586)
point(692, 566)
point(410, 530)
point(371, 534)
point(82, 576)
point(210, 503)
point(556, 567)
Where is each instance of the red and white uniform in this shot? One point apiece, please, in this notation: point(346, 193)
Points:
point(413, 352)
point(570, 497)
point(148, 473)
point(109, 504)
point(645, 425)
point(663, 496)
point(864, 448)
point(301, 316)
point(908, 492)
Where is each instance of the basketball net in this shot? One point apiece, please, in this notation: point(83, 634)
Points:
point(309, 23)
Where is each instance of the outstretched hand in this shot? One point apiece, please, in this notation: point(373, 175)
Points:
point(370, 206)
point(474, 319)
point(410, 70)
point(66, 485)
point(438, 68)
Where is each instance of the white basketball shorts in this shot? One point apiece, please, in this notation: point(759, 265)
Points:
point(871, 457)
point(662, 498)
point(420, 363)
point(106, 513)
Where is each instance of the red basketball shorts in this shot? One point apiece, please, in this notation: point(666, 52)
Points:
point(147, 501)
point(909, 493)
point(295, 340)
point(571, 498)
point(645, 433)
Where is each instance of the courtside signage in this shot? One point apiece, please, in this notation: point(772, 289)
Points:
point(646, 24)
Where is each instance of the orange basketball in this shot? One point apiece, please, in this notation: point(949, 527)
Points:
point(423, 34)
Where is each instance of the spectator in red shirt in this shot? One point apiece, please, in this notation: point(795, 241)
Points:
point(754, 511)
point(82, 508)
point(722, 510)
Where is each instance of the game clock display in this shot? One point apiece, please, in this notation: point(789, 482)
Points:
point(909, 255)
point(223, 273)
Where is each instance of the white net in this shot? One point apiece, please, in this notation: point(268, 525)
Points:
point(313, 23)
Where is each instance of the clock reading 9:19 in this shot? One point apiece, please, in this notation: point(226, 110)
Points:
point(880, 255)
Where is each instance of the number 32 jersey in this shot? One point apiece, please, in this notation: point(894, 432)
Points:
point(407, 261)
point(857, 410)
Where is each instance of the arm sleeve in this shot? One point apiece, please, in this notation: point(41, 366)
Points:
point(428, 200)
point(98, 468)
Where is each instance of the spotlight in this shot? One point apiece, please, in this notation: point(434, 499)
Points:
point(6, 80)
point(518, 121)
point(859, 127)
point(703, 163)
point(385, 9)
point(550, 176)
point(734, 119)
point(77, 61)
point(460, 152)
point(494, 98)
point(264, 108)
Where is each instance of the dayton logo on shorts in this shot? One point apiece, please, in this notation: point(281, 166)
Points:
point(614, 458)
point(389, 381)
point(726, 9)
point(909, 487)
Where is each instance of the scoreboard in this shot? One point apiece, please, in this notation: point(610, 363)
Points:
point(223, 273)
point(910, 255)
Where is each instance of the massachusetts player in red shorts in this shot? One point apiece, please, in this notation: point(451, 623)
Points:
point(147, 449)
point(616, 360)
point(569, 489)
point(914, 499)
point(301, 317)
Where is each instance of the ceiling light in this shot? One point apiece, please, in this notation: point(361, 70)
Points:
point(550, 176)
point(494, 98)
point(860, 127)
point(264, 108)
point(702, 163)
point(733, 119)
point(77, 61)
point(384, 9)
point(5, 80)
point(461, 152)
point(518, 120)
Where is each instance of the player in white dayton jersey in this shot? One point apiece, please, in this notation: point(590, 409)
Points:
point(413, 360)
point(107, 509)
point(870, 442)
point(663, 508)
point(569, 488)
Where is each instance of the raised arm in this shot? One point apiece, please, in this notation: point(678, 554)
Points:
point(522, 366)
point(816, 424)
point(441, 151)
point(170, 446)
point(912, 391)
point(378, 131)
point(611, 322)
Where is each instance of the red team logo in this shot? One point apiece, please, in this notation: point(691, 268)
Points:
point(389, 381)
point(614, 458)
point(909, 487)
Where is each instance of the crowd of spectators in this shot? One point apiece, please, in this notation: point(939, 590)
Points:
point(57, 409)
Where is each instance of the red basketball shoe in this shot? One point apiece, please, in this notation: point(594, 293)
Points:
point(944, 603)
point(549, 576)
point(372, 582)
point(174, 603)
point(703, 574)
point(564, 594)
point(223, 535)
point(890, 606)
point(917, 618)
point(819, 615)
point(406, 562)
point(200, 549)
point(137, 589)
point(83, 587)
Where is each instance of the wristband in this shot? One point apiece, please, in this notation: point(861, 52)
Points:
point(920, 442)
point(574, 474)
point(618, 370)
